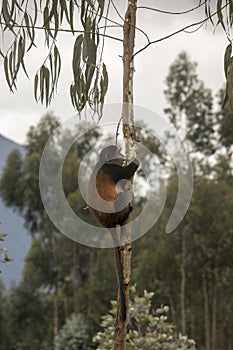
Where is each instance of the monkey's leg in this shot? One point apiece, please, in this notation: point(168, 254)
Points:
point(119, 272)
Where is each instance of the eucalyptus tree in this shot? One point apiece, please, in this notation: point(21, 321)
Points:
point(21, 21)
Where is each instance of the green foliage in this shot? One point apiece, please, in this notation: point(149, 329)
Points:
point(4, 319)
point(101, 289)
point(84, 278)
point(207, 233)
point(148, 329)
point(224, 11)
point(225, 120)
point(37, 136)
point(84, 67)
point(30, 318)
point(223, 171)
point(210, 213)
point(46, 79)
point(22, 19)
point(74, 335)
point(19, 183)
point(228, 67)
point(10, 184)
point(55, 265)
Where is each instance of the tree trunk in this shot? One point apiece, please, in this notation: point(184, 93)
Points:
point(172, 308)
point(206, 312)
point(129, 136)
point(65, 306)
point(229, 342)
point(55, 296)
point(182, 287)
point(75, 279)
point(214, 314)
point(55, 313)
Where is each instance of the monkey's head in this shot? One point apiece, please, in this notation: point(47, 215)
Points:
point(110, 153)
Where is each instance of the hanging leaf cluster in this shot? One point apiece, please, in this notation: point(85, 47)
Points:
point(224, 11)
point(85, 71)
point(20, 19)
point(228, 68)
point(46, 79)
point(90, 78)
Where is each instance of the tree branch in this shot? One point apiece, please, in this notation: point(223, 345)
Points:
point(170, 12)
point(199, 23)
point(64, 30)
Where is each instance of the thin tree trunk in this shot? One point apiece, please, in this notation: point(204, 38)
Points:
point(172, 307)
point(182, 287)
point(90, 273)
point(206, 312)
point(75, 280)
point(55, 313)
point(65, 305)
point(55, 296)
point(230, 347)
point(214, 314)
point(129, 135)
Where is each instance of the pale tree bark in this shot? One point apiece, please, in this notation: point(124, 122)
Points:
point(129, 137)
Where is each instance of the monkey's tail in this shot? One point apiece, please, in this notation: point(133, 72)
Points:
point(119, 270)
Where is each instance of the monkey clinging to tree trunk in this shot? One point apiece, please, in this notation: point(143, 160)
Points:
point(109, 202)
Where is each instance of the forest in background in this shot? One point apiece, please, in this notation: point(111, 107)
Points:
point(190, 270)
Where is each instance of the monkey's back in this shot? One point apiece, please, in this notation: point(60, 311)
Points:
point(104, 200)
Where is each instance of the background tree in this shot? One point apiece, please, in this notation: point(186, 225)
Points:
point(89, 85)
point(19, 186)
point(31, 315)
point(5, 326)
point(225, 121)
point(190, 105)
point(156, 265)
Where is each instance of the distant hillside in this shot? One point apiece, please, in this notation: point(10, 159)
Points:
point(18, 240)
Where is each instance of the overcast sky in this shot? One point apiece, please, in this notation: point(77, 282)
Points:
point(19, 110)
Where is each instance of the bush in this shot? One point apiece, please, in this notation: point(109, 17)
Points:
point(147, 329)
point(74, 335)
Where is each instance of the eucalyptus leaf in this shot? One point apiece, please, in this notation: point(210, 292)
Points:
point(36, 86)
point(219, 14)
point(230, 82)
point(227, 57)
point(77, 51)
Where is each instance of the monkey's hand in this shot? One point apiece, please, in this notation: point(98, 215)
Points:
point(136, 161)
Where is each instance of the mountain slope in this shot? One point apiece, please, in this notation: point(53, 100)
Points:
point(18, 240)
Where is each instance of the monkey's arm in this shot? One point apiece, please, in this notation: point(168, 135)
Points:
point(118, 172)
point(129, 170)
